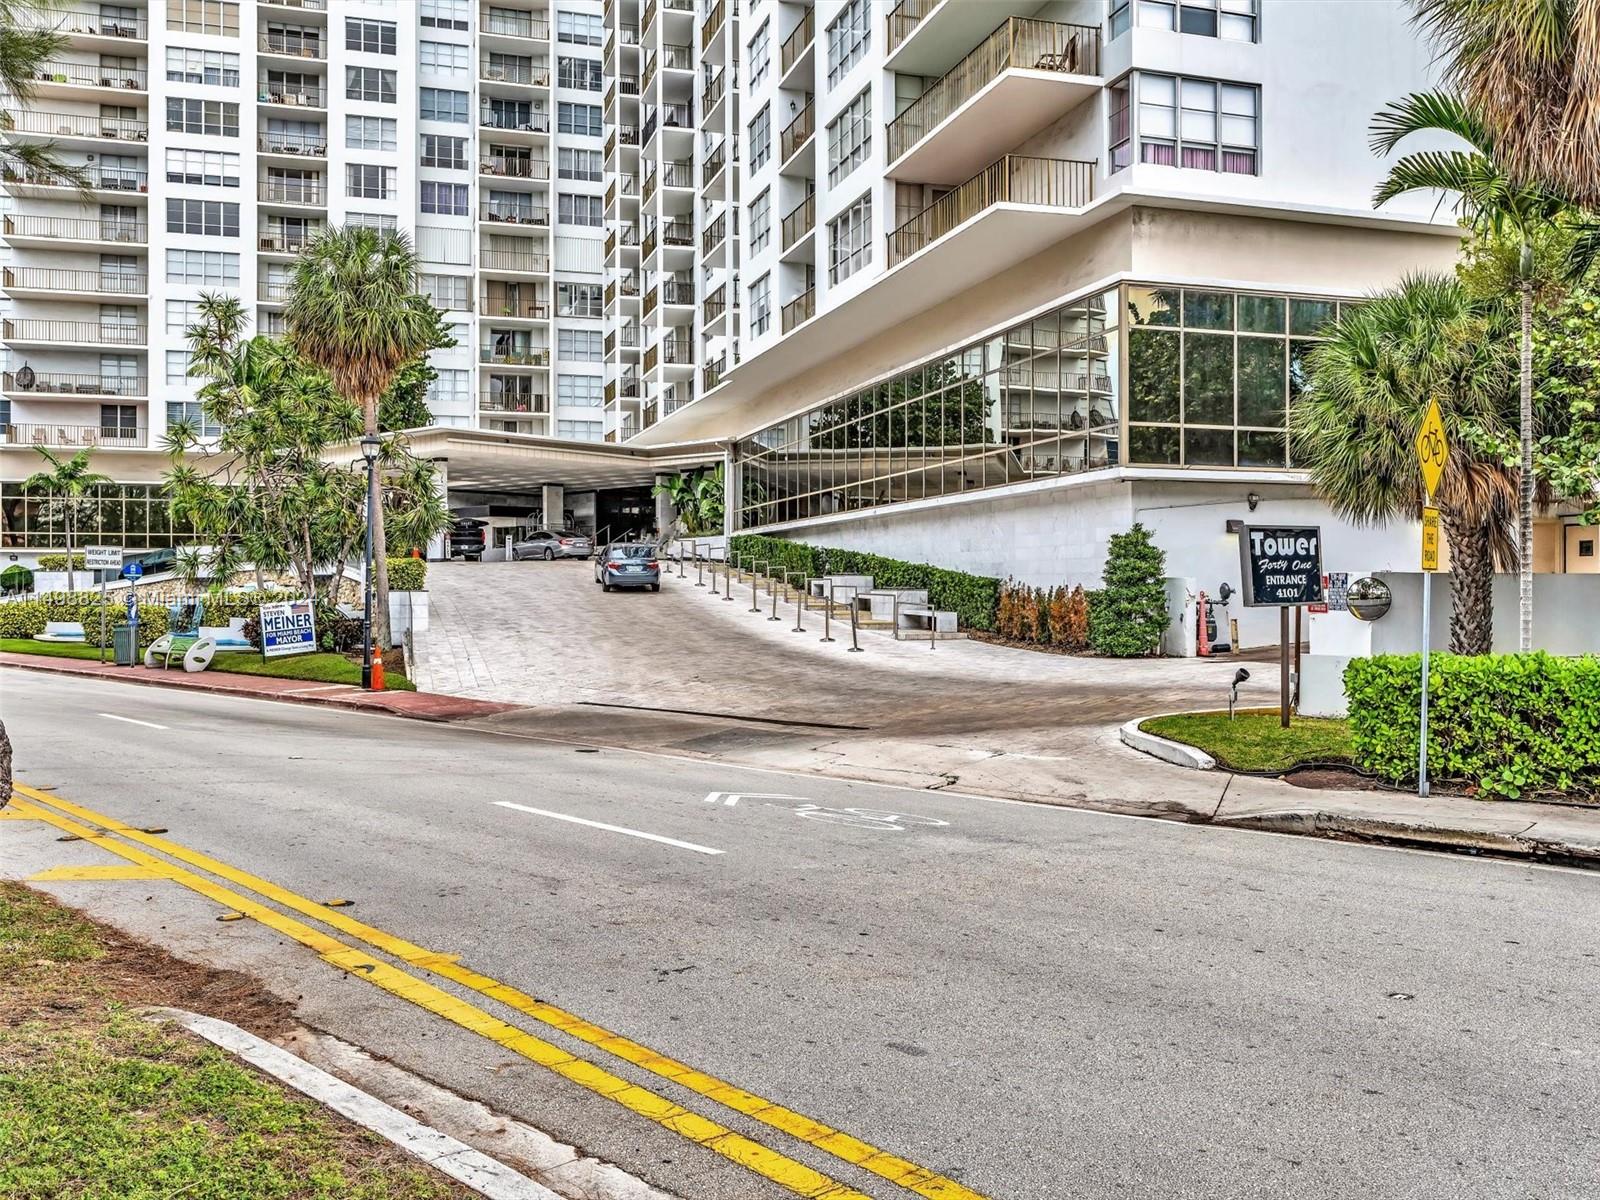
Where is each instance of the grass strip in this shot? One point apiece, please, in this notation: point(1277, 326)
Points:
point(1254, 740)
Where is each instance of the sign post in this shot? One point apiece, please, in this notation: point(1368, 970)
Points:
point(1281, 567)
point(102, 559)
point(132, 573)
point(1433, 451)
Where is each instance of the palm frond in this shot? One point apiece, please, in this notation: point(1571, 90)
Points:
point(1426, 112)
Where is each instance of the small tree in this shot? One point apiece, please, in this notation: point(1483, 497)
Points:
point(1130, 614)
point(1076, 636)
point(67, 486)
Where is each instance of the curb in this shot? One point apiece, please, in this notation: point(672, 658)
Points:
point(1165, 749)
point(472, 1168)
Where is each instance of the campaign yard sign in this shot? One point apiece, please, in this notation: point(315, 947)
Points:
point(1281, 566)
point(287, 627)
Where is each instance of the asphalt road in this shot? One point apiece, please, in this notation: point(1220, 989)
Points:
point(1037, 1002)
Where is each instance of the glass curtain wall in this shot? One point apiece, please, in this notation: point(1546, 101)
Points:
point(124, 514)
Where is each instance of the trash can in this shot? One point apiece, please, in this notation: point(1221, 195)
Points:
point(124, 649)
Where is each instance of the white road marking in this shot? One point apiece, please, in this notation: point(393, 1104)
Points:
point(638, 833)
point(732, 798)
point(131, 721)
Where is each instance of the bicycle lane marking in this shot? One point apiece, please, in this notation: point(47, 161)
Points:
point(808, 1130)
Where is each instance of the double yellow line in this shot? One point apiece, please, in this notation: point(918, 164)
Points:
point(113, 835)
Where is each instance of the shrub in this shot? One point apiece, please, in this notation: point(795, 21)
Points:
point(16, 578)
point(1130, 613)
point(58, 562)
point(408, 574)
point(1075, 631)
point(1057, 617)
point(1506, 723)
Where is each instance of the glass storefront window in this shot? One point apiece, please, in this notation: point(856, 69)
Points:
point(136, 515)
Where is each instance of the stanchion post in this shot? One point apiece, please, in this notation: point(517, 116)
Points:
point(699, 567)
point(755, 585)
point(827, 615)
point(855, 645)
point(799, 602)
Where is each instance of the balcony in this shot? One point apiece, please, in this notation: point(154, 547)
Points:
point(711, 374)
point(802, 308)
point(677, 233)
point(523, 71)
point(67, 78)
point(76, 437)
point(497, 212)
point(501, 400)
point(905, 17)
point(29, 332)
point(713, 165)
point(511, 355)
point(26, 181)
point(508, 23)
point(293, 192)
point(273, 291)
point(53, 282)
point(514, 121)
point(519, 262)
point(799, 221)
point(25, 381)
point(299, 145)
point(514, 307)
point(1012, 180)
point(712, 25)
point(677, 291)
point(714, 234)
point(315, 6)
point(715, 306)
point(798, 43)
point(292, 95)
point(71, 126)
point(798, 132)
point(27, 229)
point(293, 44)
point(712, 94)
point(514, 166)
point(287, 241)
point(1025, 76)
point(86, 24)
point(677, 175)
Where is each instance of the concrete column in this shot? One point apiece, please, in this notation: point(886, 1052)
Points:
point(439, 545)
point(666, 511)
point(555, 503)
point(732, 491)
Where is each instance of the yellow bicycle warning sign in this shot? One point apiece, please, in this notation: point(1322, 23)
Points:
point(1432, 449)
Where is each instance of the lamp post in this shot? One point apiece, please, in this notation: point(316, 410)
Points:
point(370, 445)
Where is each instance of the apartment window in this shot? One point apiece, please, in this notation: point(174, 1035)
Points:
point(451, 199)
point(449, 387)
point(581, 431)
point(586, 165)
point(117, 420)
point(443, 14)
point(369, 182)
point(761, 137)
point(761, 306)
point(371, 133)
point(181, 314)
point(379, 221)
point(578, 300)
point(178, 366)
point(580, 345)
point(218, 68)
point(850, 240)
point(760, 53)
point(1198, 123)
point(438, 104)
point(580, 73)
point(850, 137)
point(440, 150)
point(217, 17)
point(579, 29)
point(579, 391)
point(447, 291)
point(580, 210)
point(373, 84)
point(761, 222)
point(208, 218)
point(214, 168)
point(442, 58)
point(1119, 131)
point(369, 37)
point(207, 267)
point(848, 38)
point(218, 118)
point(1233, 20)
point(579, 118)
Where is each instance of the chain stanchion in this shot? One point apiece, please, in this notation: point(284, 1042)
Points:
point(755, 584)
point(827, 614)
point(727, 577)
point(855, 609)
point(774, 594)
point(699, 567)
point(799, 601)
point(680, 558)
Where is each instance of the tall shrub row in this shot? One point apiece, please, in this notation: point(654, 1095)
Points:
point(1046, 616)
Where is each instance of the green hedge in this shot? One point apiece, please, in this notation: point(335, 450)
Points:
point(973, 598)
point(16, 578)
point(1507, 723)
point(27, 618)
point(408, 574)
point(58, 562)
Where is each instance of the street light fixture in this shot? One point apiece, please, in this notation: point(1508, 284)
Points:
point(371, 444)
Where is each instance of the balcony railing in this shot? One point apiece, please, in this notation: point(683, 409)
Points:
point(60, 279)
point(86, 22)
point(516, 356)
point(493, 399)
point(710, 27)
point(100, 178)
point(714, 163)
point(293, 95)
point(713, 92)
point(651, 299)
point(799, 220)
point(677, 233)
point(802, 308)
point(1014, 179)
point(514, 214)
point(513, 306)
point(714, 233)
point(677, 174)
point(711, 374)
point(77, 229)
point(515, 72)
point(309, 145)
point(58, 383)
point(90, 75)
point(715, 305)
point(514, 260)
point(287, 241)
point(29, 433)
point(905, 17)
point(85, 125)
point(1018, 42)
point(505, 23)
point(293, 45)
point(794, 46)
point(677, 291)
point(514, 166)
point(303, 5)
point(798, 132)
point(84, 333)
point(531, 122)
point(293, 191)
point(273, 290)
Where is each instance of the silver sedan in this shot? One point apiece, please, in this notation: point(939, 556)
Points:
point(552, 543)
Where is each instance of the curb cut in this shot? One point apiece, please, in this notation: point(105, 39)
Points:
point(1165, 749)
point(472, 1168)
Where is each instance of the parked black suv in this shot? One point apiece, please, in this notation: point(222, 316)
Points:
point(469, 538)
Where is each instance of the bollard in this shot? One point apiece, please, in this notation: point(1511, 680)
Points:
point(855, 646)
point(799, 602)
point(827, 615)
point(933, 622)
point(774, 616)
point(680, 560)
point(755, 586)
point(699, 567)
point(727, 579)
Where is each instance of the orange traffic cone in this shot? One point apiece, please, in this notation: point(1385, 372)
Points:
point(377, 668)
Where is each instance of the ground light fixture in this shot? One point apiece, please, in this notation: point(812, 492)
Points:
point(1239, 677)
point(370, 445)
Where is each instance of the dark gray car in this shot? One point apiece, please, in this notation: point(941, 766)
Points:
point(628, 564)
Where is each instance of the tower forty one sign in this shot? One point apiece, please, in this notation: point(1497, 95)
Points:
point(1281, 566)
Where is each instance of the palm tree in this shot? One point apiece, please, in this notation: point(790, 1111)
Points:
point(68, 485)
point(1531, 70)
point(1491, 202)
point(28, 39)
point(354, 311)
point(1355, 428)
